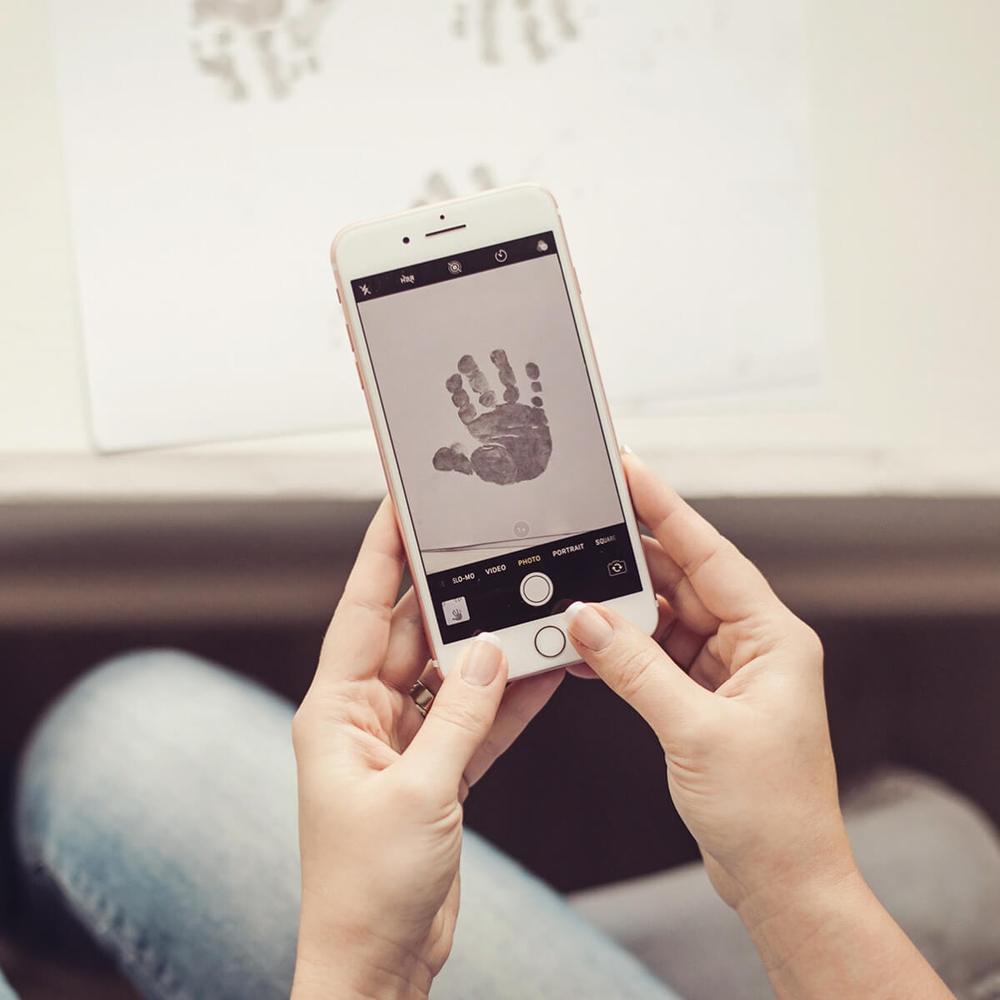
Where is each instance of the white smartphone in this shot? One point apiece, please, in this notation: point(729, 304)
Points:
point(474, 355)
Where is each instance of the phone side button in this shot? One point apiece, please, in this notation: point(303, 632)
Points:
point(550, 640)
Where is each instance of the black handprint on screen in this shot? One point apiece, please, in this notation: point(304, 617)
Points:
point(514, 439)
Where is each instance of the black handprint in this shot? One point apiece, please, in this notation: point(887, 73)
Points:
point(515, 443)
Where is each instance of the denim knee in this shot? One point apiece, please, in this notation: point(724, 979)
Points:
point(157, 796)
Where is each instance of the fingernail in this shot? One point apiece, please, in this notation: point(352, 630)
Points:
point(625, 449)
point(589, 627)
point(482, 660)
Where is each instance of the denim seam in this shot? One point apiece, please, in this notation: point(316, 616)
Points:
point(108, 922)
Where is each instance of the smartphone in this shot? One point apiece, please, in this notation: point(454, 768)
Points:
point(473, 352)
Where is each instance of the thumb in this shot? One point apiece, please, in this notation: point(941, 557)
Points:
point(461, 715)
point(635, 667)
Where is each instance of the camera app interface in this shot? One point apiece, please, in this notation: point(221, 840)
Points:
point(493, 422)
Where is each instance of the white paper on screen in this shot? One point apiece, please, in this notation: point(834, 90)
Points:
point(213, 148)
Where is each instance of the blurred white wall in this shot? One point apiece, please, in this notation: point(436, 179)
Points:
point(906, 116)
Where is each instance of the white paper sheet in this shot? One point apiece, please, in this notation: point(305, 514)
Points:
point(213, 147)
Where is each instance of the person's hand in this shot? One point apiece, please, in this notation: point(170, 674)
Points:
point(381, 789)
point(732, 684)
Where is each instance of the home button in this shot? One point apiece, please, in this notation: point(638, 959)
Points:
point(550, 641)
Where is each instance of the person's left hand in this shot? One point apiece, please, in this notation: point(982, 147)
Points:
point(381, 789)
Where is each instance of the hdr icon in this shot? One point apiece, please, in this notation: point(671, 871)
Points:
point(407, 279)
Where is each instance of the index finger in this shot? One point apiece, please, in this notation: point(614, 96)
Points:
point(356, 641)
point(728, 584)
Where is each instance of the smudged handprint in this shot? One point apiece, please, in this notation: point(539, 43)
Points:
point(514, 439)
point(438, 186)
point(277, 40)
point(538, 24)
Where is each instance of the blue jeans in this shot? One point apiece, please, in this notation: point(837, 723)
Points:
point(158, 800)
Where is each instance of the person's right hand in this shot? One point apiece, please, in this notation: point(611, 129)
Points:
point(732, 684)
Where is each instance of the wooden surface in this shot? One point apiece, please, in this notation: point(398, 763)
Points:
point(281, 563)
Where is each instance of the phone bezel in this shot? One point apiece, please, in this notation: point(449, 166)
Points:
point(493, 217)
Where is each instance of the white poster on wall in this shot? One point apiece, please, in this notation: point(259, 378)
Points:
point(214, 147)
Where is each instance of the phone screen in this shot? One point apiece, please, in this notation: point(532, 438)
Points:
point(494, 425)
